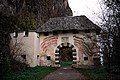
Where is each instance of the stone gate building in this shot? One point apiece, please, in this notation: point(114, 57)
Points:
point(76, 35)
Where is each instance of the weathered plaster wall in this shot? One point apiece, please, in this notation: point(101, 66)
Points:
point(28, 46)
point(48, 45)
point(38, 47)
point(85, 43)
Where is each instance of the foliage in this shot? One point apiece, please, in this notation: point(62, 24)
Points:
point(36, 73)
point(26, 21)
point(6, 26)
point(96, 73)
point(23, 18)
point(66, 63)
point(6, 23)
point(111, 43)
point(66, 54)
point(66, 51)
point(17, 65)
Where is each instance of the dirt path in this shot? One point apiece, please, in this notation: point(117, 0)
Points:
point(65, 73)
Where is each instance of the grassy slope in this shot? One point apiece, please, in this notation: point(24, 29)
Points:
point(36, 73)
point(98, 74)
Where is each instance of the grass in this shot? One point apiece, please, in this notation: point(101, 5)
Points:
point(36, 73)
point(66, 63)
point(96, 73)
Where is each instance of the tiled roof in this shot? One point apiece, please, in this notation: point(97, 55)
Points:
point(68, 23)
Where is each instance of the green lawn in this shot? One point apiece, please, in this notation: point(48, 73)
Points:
point(66, 63)
point(36, 73)
point(96, 73)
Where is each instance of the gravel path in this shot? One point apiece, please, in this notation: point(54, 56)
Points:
point(65, 73)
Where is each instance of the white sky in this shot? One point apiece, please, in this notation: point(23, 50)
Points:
point(89, 8)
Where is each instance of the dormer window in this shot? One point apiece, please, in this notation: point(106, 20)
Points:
point(26, 33)
point(15, 34)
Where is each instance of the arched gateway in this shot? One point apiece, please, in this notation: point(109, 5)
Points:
point(65, 52)
point(76, 36)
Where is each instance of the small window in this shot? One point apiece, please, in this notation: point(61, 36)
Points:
point(85, 58)
point(48, 57)
point(87, 31)
point(26, 34)
point(46, 34)
point(15, 34)
point(37, 56)
point(23, 56)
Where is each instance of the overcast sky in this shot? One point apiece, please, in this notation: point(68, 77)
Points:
point(90, 8)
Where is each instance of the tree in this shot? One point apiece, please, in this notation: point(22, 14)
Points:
point(16, 14)
point(112, 25)
point(26, 21)
point(6, 26)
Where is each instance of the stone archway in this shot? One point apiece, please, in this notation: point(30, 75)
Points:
point(57, 53)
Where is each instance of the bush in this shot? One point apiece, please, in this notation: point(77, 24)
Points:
point(35, 73)
point(94, 73)
point(17, 65)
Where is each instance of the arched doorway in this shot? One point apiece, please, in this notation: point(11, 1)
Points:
point(65, 55)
